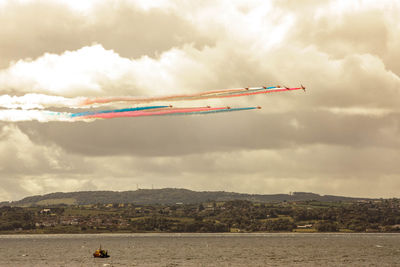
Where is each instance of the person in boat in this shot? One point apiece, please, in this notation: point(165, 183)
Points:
point(101, 253)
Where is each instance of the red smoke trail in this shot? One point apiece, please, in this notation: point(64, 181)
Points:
point(196, 96)
point(260, 92)
point(162, 111)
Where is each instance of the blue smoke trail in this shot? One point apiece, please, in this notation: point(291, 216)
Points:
point(212, 111)
point(223, 110)
point(88, 113)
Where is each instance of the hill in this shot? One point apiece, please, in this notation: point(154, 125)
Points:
point(165, 196)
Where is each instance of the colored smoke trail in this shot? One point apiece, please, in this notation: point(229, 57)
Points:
point(106, 100)
point(170, 111)
point(224, 110)
point(15, 115)
point(42, 101)
point(260, 92)
point(90, 113)
point(32, 106)
point(187, 97)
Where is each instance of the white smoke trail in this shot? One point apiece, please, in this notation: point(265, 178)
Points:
point(38, 101)
point(15, 115)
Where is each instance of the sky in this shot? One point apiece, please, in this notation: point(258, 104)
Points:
point(341, 137)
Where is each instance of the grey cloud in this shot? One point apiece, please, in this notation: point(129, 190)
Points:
point(364, 32)
point(11, 189)
point(20, 156)
point(19, 186)
point(323, 169)
point(354, 81)
point(29, 30)
point(228, 132)
point(316, 161)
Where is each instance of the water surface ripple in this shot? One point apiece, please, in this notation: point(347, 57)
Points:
point(288, 249)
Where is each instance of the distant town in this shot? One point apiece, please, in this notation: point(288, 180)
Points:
point(241, 216)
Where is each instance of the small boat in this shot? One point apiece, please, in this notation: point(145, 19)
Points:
point(101, 253)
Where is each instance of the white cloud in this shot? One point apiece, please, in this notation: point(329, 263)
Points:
point(70, 73)
point(81, 6)
point(94, 71)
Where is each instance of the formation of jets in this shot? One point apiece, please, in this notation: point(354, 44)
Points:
point(258, 107)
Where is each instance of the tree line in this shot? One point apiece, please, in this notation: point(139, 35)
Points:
point(230, 216)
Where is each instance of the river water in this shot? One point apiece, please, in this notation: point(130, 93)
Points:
point(288, 249)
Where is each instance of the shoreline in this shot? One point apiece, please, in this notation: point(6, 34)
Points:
point(193, 233)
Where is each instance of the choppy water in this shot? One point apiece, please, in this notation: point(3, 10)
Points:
point(202, 250)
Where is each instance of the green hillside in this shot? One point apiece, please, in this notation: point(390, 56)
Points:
point(165, 196)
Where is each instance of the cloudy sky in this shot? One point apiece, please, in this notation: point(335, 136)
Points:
point(341, 137)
